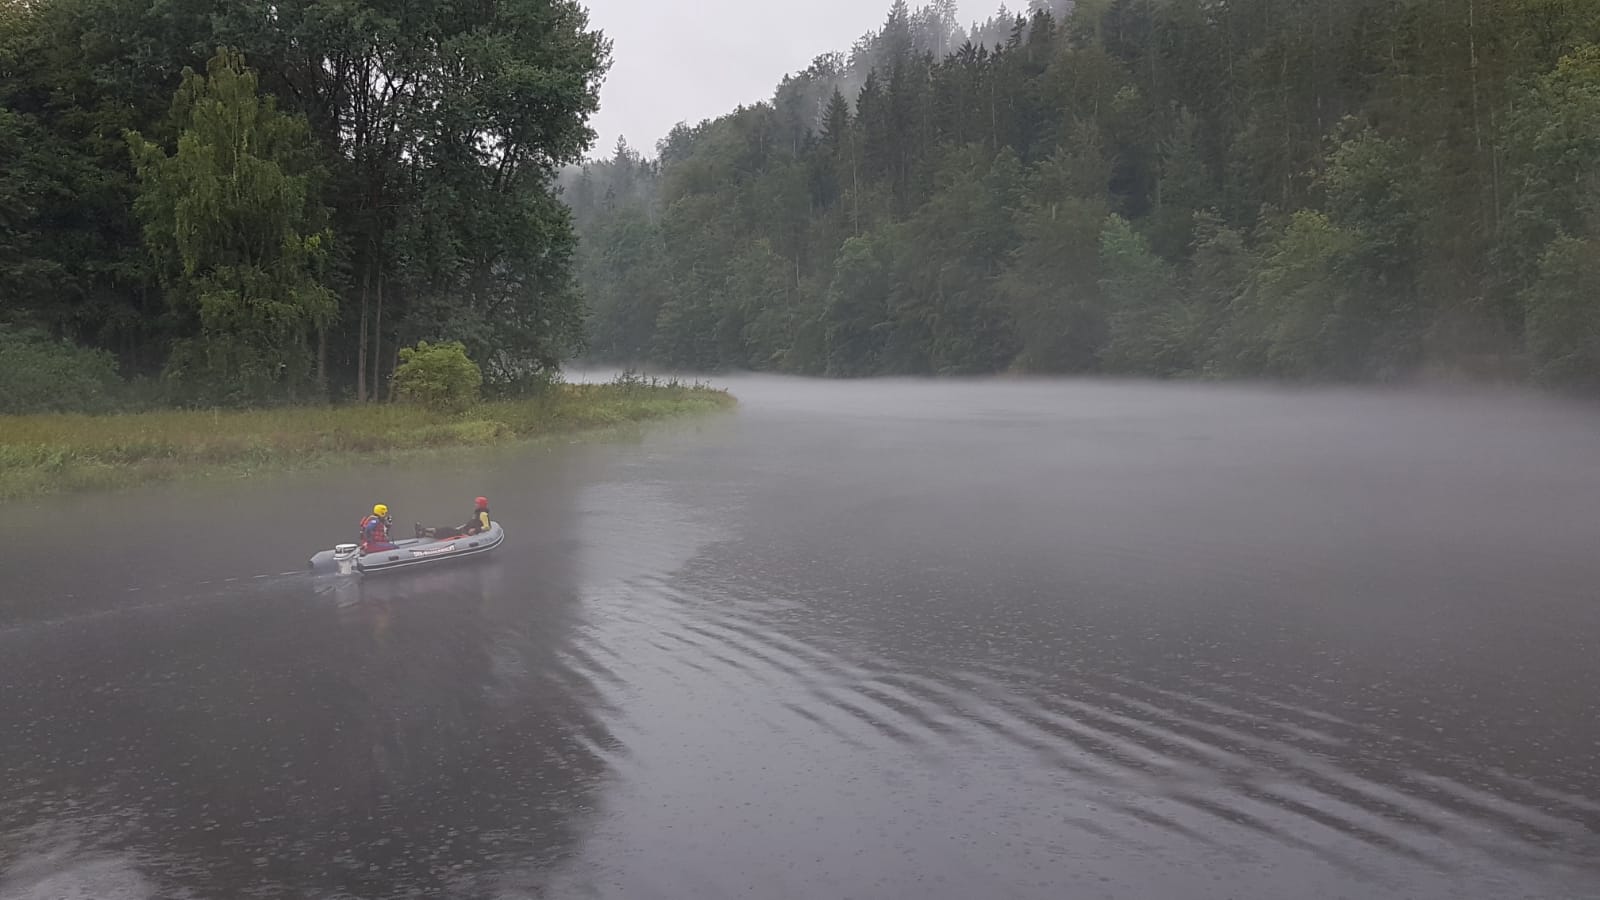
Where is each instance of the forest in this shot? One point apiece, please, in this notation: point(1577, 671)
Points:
point(1293, 189)
point(253, 202)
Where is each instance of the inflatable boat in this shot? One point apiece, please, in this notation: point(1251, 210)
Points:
point(347, 559)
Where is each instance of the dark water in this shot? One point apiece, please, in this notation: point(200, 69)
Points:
point(891, 640)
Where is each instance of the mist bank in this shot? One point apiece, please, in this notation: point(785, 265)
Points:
point(1361, 190)
point(50, 453)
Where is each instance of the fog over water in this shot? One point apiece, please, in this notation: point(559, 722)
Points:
point(875, 639)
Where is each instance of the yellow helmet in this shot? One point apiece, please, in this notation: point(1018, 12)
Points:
point(380, 510)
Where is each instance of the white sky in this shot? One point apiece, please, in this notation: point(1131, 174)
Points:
point(686, 60)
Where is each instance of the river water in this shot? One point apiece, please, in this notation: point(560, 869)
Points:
point(869, 640)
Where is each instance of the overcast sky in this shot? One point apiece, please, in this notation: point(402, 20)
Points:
point(687, 60)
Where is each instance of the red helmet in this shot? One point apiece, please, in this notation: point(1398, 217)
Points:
point(483, 502)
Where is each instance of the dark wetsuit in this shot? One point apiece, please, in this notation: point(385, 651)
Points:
point(478, 524)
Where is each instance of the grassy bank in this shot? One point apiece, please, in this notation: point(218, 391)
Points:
point(51, 453)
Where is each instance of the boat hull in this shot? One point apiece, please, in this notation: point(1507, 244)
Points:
point(407, 554)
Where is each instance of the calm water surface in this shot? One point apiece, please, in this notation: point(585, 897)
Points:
point(953, 640)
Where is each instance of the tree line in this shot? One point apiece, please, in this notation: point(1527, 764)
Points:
point(256, 201)
point(1317, 189)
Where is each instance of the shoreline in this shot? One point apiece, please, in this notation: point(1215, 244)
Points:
point(56, 453)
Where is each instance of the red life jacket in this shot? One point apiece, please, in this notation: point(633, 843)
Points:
point(373, 531)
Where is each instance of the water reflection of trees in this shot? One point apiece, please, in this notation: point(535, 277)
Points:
point(461, 735)
point(376, 736)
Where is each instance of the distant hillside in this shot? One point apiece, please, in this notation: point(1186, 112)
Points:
point(1293, 188)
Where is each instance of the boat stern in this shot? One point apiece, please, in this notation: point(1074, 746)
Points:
point(341, 560)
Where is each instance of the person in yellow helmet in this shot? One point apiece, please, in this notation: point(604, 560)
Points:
point(375, 531)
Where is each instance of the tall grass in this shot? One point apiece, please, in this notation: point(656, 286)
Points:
point(55, 452)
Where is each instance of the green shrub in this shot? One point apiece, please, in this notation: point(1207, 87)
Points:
point(38, 374)
point(438, 376)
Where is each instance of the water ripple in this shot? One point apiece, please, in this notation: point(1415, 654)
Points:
point(1211, 763)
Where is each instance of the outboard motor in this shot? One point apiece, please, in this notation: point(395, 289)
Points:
point(344, 556)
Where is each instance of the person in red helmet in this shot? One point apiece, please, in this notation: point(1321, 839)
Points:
point(478, 524)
